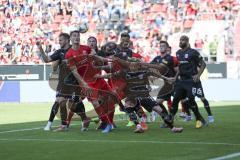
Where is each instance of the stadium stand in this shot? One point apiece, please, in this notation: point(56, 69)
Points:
point(22, 22)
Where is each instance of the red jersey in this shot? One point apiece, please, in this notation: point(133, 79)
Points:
point(83, 62)
point(137, 55)
point(117, 84)
point(80, 58)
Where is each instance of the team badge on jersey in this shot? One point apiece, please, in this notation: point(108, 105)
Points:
point(185, 55)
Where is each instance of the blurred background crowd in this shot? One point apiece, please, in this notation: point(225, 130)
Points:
point(23, 22)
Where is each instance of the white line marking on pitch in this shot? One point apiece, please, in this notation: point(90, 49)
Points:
point(28, 129)
point(116, 141)
point(21, 130)
point(227, 156)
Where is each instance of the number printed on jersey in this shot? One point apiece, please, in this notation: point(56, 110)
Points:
point(199, 91)
point(194, 90)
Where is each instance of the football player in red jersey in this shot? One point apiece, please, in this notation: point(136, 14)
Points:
point(80, 60)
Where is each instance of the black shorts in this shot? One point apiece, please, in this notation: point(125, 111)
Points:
point(67, 87)
point(65, 90)
point(198, 89)
point(165, 97)
point(148, 103)
point(184, 89)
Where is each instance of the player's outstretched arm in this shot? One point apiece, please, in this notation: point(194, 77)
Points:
point(55, 66)
point(100, 59)
point(162, 68)
point(43, 55)
point(123, 63)
point(79, 78)
point(106, 68)
point(109, 75)
point(102, 63)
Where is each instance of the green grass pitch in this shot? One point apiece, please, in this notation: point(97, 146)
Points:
point(22, 137)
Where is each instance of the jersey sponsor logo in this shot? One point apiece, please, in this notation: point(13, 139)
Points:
point(183, 62)
point(165, 61)
point(124, 53)
point(186, 56)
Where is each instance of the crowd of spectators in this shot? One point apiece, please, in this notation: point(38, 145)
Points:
point(23, 22)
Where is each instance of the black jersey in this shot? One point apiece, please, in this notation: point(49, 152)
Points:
point(63, 68)
point(124, 53)
point(168, 61)
point(188, 62)
point(102, 53)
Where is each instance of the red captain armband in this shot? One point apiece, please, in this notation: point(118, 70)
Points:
point(175, 62)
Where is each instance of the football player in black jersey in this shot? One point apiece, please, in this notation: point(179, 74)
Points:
point(171, 63)
point(63, 90)
point(191, 66)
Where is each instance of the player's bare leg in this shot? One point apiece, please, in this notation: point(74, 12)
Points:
point(129, 106)
point(63, 115)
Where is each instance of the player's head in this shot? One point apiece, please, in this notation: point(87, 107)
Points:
point(125, 40)
point(164, 47)
point(110, 48)
point(64, 39)
point(75, 37)
point(92, 42)
point(184, 42)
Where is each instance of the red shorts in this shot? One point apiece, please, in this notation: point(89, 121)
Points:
point(100, 88)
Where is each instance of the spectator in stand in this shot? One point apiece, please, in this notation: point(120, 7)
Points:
point(198, 44)
point(46, 19)
point(213, 47)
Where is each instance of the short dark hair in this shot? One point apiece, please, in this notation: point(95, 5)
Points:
point(91, 37)
point(184, 37)
point(165, 43)
point(125, 34)
point(113, 45)
point(75, 31)
point(65, 35)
